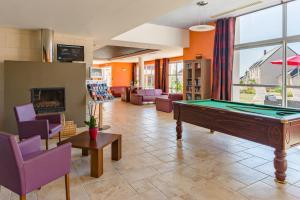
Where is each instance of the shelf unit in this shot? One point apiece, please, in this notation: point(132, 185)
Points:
point(197, 79)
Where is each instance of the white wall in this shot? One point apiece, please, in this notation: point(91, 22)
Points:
point(16, 44)
point(156, 34)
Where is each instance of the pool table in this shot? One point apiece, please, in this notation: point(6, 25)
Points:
point(268, 125)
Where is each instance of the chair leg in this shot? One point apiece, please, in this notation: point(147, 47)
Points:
point(22, 197)
point(47, 144)
point(67, 184)
point(59, 136)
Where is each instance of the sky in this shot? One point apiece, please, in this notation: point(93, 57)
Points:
point(264, 25)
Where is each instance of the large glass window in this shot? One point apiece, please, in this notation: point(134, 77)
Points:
point(293, 27)
point(149, 76)
point(261, 46)
point(258, 26)
point(175, 77)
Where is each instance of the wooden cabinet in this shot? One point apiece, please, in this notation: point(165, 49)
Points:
point(197, 79)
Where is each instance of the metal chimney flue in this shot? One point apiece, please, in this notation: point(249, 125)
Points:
point(47, 36)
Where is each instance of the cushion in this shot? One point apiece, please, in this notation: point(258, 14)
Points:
point(141, 92)
point(158, 92)
point(150, 92)
point(54, 128)
point(148, 98)
point(32, 155)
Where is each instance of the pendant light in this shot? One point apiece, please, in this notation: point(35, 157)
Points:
point(202, 27)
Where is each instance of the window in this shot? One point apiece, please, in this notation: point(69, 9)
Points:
point(106, 71)
point(149, 76)
point(175, 77)
point(293, 27)
point(261, 45)
point(258, 26)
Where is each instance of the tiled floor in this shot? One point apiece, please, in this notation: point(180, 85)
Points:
point(155, 167)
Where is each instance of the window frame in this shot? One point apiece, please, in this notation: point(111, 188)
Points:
point(175, 75)
point(149, 75)
point(283, 42)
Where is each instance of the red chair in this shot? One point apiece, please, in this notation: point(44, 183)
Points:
point(166, 104)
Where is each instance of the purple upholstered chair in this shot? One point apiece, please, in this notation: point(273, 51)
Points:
point(29, 124)
point(25, 167)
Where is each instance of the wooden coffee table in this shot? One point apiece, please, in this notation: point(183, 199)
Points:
point(95, 147)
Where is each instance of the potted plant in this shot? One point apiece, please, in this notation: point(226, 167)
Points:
point(93, 129)
point(92, 123)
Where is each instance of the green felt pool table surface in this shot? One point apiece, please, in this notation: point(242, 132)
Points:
point(270, 111)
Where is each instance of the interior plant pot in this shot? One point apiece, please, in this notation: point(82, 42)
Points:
point(93, 133)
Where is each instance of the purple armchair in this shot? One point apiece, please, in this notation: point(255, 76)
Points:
point(29, 124)
point(25, 167)
point(146, 95)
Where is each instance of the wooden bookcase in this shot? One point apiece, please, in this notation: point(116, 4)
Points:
point(197, 79)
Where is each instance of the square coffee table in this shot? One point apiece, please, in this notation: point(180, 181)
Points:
point(95, 147)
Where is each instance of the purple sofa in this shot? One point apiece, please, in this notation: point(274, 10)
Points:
point(25, 167)
point(165, 104)
point(29, 124)
point(145, 95)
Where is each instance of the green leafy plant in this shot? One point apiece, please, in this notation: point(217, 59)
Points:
point(290, 93)
point(248, 90)
point(178, 86)
point(92, 123)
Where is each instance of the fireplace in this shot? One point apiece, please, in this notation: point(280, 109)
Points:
point(48, 100)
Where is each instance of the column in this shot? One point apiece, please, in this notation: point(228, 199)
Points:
point(141, 72)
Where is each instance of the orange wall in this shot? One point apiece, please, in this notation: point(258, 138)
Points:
point(200, 43)
point(121, 73)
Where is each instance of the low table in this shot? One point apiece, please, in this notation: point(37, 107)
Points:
point(95, 147)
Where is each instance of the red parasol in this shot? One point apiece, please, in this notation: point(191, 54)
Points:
point(292, 61)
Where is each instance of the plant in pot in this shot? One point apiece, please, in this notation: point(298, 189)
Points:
point(93, 129)
point(92, 123)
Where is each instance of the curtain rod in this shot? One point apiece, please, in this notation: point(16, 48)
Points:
point(278, 4)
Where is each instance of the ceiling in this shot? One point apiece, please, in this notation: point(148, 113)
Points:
point(110, 52)
point(163, 53)
point(192, 14)
point(100, 19)
point(103, 20)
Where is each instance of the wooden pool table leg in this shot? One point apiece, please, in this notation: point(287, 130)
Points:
point(179, 129)
point(280, 165)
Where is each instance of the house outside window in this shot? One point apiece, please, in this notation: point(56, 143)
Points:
point(175, 77)
point(263, 40)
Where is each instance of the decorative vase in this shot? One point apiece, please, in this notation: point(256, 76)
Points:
point(93, 133)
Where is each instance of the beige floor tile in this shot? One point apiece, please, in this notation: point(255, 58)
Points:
point(110, 189)
point(154, 166)
point(263, 191)
point(132, 175)
point(253, 162)
point(4, 193)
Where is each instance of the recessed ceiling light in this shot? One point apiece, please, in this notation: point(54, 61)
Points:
point(202, 3)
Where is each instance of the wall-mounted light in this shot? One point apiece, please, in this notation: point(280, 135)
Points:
point(124, 69)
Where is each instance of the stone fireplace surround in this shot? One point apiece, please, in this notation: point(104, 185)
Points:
point(22, 76)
